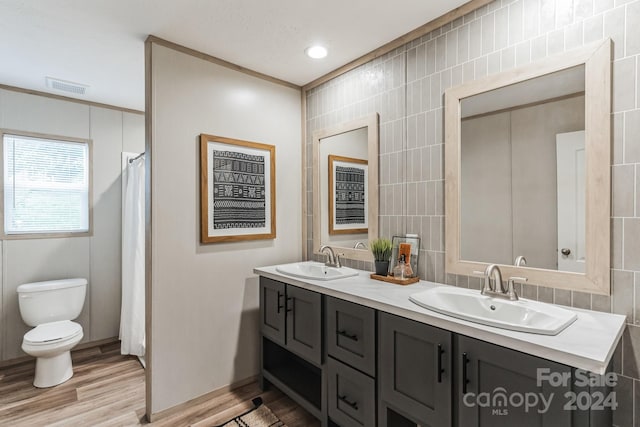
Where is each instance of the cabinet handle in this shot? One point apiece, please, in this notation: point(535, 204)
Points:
point(440, 370)
point(288, 304)
point(280, 306)
point(344, 399)
point(465, 380)
point(346, 334)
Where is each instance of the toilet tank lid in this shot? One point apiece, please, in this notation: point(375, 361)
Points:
point(51, 285)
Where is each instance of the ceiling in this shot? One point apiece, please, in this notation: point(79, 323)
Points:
point(100, 43)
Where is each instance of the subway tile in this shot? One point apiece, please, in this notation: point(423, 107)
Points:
point(515, 22)
point(617, 149)
point(501, 28)
point(637, 195)
point(422, 198)
point(431, 266)
point(431, 133)
point(441, 53)
point(601, 303)
point(463, 43)
point(425, 94)
point(573, 36)
point(508, 57)
point(468, 71)
point(622, 184)
point(436, 162)
point(452, 48)
point(631, 352)
point(562, 297)
point(451, 279)
point(412, 194)
point(462, 281)
point(494, 63)
point(481, 67)
point(616, 358)
point(581, 300)
point(631, 246)
point(617, 241)
point(411, 65)
point(425, 237)
point(475, 283)
point(529, 292)
point(430, 59)
point(475, 39)
point(431, 199)
point(445, 82)
point(614, 28)
point(539, 48)
point(421, 138)
point(547, 15)
point(421, 61)
point(439, 121)
point(555, 42)
point(435, 91)
point(633, 29)
point(439, 267)
point(488, 33)
point(583, 9)
point(623, 415)
point(412, 132)
point(622, 291)
point(602, 5)
point(632, 137)
point(456, 75)
point(523, 53)
point(436, 233)
point(593, 29)
point(545, 294)
point(624, 82)
point(564, 13)
point(439, 196)
point(531, 23)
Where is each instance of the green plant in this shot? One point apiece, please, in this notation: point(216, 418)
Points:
point(381, 249)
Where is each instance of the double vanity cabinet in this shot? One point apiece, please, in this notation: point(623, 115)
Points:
point(354, 364)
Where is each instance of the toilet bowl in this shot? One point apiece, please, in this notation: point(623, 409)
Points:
point(50, 306)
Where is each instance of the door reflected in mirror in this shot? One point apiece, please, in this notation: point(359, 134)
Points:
point(523, 173)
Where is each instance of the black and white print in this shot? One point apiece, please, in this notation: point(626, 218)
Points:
point(350, 195)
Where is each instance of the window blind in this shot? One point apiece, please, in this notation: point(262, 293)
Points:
point(46, 185)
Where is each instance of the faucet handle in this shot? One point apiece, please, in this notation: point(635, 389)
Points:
point(516, 279)
point(337, 260)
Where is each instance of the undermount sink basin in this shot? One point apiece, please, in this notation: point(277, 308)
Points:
point(522, 315)
point(316, 271)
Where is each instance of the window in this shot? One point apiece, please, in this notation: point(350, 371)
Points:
point(46, 184)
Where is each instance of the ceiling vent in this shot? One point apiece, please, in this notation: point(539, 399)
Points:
point(65, 86)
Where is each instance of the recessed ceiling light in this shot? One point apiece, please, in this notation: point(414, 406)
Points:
point(316, 52)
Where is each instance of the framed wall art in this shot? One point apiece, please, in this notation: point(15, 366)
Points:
point(348, 194)
point(237, 190)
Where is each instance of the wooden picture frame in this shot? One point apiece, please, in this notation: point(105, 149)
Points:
point(348, 216)
point(237, 190)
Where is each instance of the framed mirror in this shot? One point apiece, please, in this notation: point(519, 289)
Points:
point(527, 171)
point(345, 187)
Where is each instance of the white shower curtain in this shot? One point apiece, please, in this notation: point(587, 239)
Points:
point(133, 224)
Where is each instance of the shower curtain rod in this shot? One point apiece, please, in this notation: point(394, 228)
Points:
point(136, 157)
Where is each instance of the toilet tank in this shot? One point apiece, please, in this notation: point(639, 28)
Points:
point(51, 301)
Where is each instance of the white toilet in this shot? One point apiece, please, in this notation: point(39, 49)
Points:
point(50, 306)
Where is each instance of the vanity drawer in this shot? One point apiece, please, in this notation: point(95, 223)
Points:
point(351, 334)
point(352, 396)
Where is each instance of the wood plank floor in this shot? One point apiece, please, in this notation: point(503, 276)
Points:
point(107, 389)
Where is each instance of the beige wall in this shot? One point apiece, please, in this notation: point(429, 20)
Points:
point(204, 314)
point(406, 87)
point(96, 258)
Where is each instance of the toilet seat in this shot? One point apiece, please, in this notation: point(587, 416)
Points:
point(52, 333)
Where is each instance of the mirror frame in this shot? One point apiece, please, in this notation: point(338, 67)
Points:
point(371, 123)
point(597, 60)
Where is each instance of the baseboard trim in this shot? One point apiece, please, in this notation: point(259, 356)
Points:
point(200, 399)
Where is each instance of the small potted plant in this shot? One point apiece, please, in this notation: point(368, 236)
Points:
point(381, 250)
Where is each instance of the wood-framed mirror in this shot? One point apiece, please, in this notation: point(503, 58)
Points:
point(345, 187)
point(527, 171)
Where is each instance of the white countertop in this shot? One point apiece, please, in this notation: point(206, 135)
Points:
point(586, 344)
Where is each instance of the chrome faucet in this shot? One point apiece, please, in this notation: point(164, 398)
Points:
point(492, 272)
point(521, 261)
point(359, 245)
point(495, 288)
point(333, 259)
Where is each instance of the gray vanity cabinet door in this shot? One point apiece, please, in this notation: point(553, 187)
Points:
point(351, 396)
point(272, 310)
point(351, 334)
point(304, 323)
point(492, 371)
point(414, 369)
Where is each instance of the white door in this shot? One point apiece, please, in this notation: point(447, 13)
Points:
point(571, 201)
